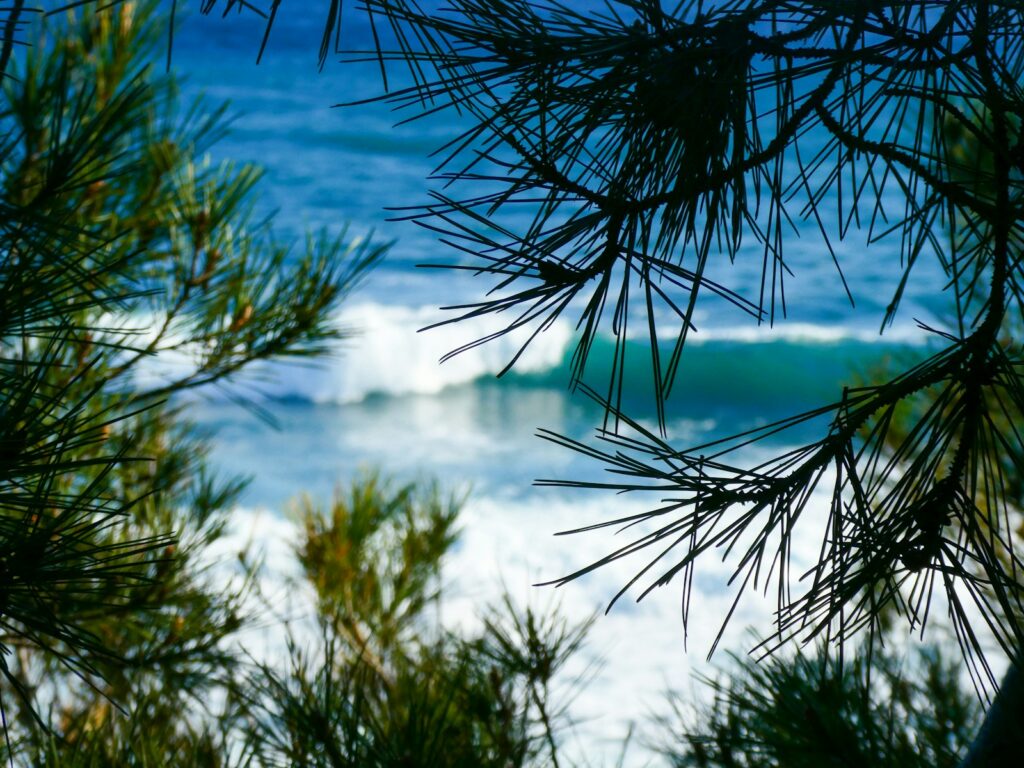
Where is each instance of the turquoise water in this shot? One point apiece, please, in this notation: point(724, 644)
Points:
point(384, 401)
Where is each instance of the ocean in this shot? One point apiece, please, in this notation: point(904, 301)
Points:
point(383, 401)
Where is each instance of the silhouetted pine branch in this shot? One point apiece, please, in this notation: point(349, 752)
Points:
point(653, 145)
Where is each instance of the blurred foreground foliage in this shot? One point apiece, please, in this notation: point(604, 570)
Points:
point(132, 268)
point(387, 684)
point(808, 711)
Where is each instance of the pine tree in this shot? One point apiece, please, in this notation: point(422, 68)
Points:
point(121, 246)
point(810, 711)
point(652, 141)
point(385, 684)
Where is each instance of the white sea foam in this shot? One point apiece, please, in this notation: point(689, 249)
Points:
point(391, 350)
point(387, 352)
point(810, 333)
point(390, 353)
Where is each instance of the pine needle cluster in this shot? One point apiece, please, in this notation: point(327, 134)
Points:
point(649, 146)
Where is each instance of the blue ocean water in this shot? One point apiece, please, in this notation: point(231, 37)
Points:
point(384, 401)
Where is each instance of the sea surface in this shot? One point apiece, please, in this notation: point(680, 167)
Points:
point(383, 401)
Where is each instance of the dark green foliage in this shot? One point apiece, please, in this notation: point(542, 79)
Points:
point(375, 558)
point(155, 735)
point(387, 685)
point(807, 711)
point(120, 245)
